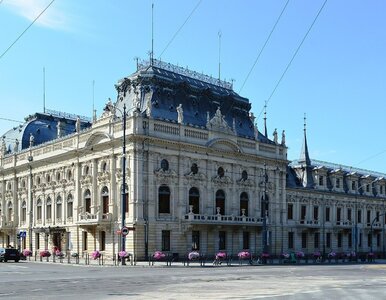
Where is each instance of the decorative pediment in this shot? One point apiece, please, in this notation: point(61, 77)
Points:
point(162, 173)
point(245, 182)
point(221, 180)
point(85, 179)
point(218, 123)
point(103, 176)
point(195, 177)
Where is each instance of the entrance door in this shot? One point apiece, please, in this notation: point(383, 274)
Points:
point(57, 241)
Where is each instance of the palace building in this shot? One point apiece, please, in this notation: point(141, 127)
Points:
point(198, 175)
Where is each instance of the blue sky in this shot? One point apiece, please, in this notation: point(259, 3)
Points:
point(337, 78)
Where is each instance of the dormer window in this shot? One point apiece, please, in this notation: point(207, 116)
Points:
point(337, 183)
point(368, 188)
point(381, 189)
point(353, 185)
point(321, 179)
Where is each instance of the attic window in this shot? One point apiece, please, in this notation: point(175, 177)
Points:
point(353, 185)
point(321, 179)
point(368, 188)
point(337, 184)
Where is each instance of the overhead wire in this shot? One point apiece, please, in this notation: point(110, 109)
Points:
point(25, 30)
point(180, 28)
point(293, 57)
point(265, 44)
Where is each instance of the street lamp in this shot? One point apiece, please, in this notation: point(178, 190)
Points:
point(371, 231)
point(109, 107)
point(30, 159)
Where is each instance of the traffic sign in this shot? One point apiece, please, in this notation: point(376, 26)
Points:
point(125, 231)
point(23, 234)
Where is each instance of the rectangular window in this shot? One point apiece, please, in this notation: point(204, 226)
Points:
point(359, 216)
point(246, 240)
point(368, 188)
point(195, 240)
point(369, 237)
point(377, 215)
point(327, 214)
point(338, 213)
point(102, 245)
point(368, 219)
point(316, 212)
point(290, 240)
point(321, 180)
point(350, 240)
point(70, 209)
point(88, 205)
point(337, 183)
point(49, 212)
point(328, 239)
point(84, 240)
point(303, 210)
point(316, 240)
point(39, 213)
point(165, 240)
point(381, 189)
point(221, 240)
point(339, 240)
point(349, 214)
point(353, 185)
point(37, 241)
point(59, 210)
point(304, 239)
point(290, 208)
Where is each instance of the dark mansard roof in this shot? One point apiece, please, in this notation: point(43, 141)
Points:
point(166, 86)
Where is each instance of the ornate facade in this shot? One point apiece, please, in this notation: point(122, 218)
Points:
point(199, 175)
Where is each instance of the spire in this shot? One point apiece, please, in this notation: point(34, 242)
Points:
point(304, 155)
point(265, 120)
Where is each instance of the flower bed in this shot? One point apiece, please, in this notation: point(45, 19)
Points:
point(331, 255)
point(221, 255)
point(285, 255)
point(193, 255)
point(96, 254)
point(59, 253)
point(265, 255)
point(244, 255)
point(27, 252)
point(300, 254)
point(158, 255)
point(317, 254)
point(45, 253)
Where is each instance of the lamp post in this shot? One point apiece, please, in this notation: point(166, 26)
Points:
point(30, 159)
point(123, 218)
point(371, 231)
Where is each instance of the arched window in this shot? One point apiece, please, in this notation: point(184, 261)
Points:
point(24, 212)
point(244, 175)
point(220, 202)
point(58, 177)
point(194, 168)
point(87, 201)
point(49, 209)
point(164, 165)
point(70, 206)
point(39, 210)
point(194, 200)
point(104, 167)
point(105, 200)
point(38, 180)
point(220, 172)
point(244, 204)
point(86, 170)
point(69, 175)
point(164, 199)
point(59, 207)
point(23, 183)
point(9, 186)
point(10, 211)
point(48, 178)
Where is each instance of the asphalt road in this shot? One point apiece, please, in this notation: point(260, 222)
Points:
point(30, 280)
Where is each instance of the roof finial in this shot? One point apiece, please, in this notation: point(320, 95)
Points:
point(152, 34)
point(304, 155)
point(265, 120)
point(305, 122)
point(219, 55)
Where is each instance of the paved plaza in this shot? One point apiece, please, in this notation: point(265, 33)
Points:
point(41, 280)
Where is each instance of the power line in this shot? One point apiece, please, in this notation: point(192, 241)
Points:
point(1, 56)
point(179, 29)
point(11, 120)
point(293, 56)
point(262, 49)
point(371, 157)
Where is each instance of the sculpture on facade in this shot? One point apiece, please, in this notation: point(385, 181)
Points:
point(148, 107)
point(275, 136)
point(31, 139)
point(77, 125)
point(180, 113)
point(283, 138)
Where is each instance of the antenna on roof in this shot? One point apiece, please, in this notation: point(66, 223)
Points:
point(152, 34)
point(93, 97)
point(219, 55)
point(265, 119)
point(44, 90)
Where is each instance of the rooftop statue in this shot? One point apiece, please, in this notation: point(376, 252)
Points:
point(180, 113)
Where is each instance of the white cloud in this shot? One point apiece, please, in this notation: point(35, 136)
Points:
point(52, 18)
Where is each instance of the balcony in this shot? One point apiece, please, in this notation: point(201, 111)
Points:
point(4, 224)
point(344, 224)
point(94, 219)
point(309, 223)
point(222, 219)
